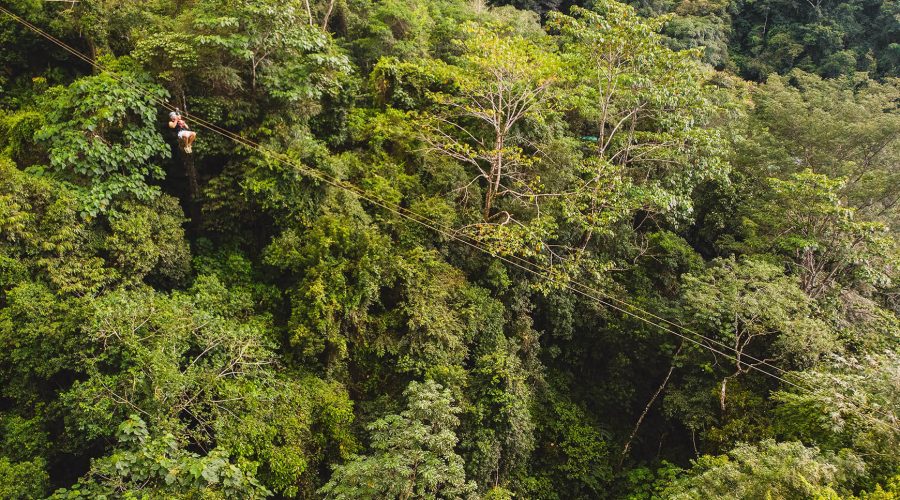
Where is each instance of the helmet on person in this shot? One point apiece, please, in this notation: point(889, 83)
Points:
point(173, 115)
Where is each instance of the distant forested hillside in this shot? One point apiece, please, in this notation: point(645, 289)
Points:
point(758, 38)
point(449, 249)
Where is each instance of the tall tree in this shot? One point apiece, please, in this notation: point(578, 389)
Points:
point(412, 453)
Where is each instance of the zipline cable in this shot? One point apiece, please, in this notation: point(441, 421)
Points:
point(518, 262)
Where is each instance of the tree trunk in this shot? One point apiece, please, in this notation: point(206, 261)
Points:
point(656, 394)
point(494, 181)
point(722, 393)
point(328, 15)
point(308, 12)
point(193, 179)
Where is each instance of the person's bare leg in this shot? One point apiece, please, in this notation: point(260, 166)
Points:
point(192, 138)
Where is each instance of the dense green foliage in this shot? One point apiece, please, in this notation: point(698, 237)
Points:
point(342, 303)
point(759, 38)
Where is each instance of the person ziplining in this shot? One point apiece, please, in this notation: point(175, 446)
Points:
point(185, 135)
